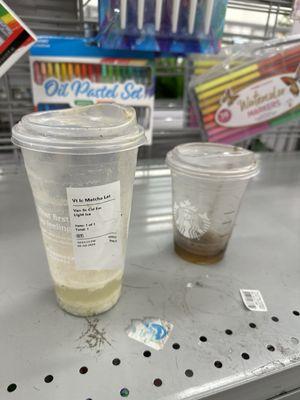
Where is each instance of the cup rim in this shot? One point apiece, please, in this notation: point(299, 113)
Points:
point(178, 165)
point(33, 132)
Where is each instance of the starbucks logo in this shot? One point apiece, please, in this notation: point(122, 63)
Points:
point(189, 221)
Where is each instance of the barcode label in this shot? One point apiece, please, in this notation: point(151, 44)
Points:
point(253, 300)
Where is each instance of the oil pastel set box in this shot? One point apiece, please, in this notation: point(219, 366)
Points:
point(68, 72)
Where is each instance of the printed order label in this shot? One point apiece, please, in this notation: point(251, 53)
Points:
point(95, 219)
point(259, 102)
point(253, 300)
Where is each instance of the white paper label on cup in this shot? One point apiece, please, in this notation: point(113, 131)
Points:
point(95, 217)
point(253, 300)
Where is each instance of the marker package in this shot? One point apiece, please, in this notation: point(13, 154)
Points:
point(197, 65)
point(68, 72)
point(169, 26)
point(253, 91)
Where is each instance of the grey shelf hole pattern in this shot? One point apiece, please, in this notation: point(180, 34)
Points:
point(297, 313)
point(218, 364)
point(124, 392)
point(48, 378)
point(12, 387)
point(275, 319)
point(175, 346)
point(157, 382)
point(83, 370)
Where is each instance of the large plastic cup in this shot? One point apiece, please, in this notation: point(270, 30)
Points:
point(81, 165)
point(208, 181)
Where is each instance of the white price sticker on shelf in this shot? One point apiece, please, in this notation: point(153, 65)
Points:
point(253, 300)
point(95, 220)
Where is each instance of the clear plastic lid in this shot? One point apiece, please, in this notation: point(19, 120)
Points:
point(100, 128)
point(212, 160)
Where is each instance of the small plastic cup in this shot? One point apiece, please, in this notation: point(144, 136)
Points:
point(208, 182)
point(81, 165)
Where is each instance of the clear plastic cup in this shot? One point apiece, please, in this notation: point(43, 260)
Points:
point(81, 165)
point(208, 182)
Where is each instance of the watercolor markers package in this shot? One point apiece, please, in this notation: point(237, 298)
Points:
point(68, 72)
point(197, 65)
point(15, 38)
point(172, 26)
point(250, 92)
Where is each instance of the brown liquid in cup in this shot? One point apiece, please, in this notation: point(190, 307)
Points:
point(209, 249)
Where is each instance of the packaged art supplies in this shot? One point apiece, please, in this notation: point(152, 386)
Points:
point(15, 38)
point(176, 26)
point(68, 72)
point(250, 93)
point(197, 65)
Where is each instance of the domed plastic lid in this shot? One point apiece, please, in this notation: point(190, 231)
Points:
point(100, 128)
point(210, 160)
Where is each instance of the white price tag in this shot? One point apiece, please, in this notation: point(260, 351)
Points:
point(253, 300)
point(95, 220)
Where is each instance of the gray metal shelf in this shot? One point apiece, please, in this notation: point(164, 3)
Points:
point(38, 339)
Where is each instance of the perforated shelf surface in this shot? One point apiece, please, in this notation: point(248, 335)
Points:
point(217, 349)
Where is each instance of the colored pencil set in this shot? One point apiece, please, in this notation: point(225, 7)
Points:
point(105, 72)
point(68, 72)
point(176, 26)
point(250, 98)
point(15, 38)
